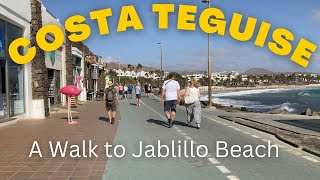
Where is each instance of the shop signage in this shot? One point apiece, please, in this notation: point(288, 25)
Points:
point(53, 60)
point(53, 57)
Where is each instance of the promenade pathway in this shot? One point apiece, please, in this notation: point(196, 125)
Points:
point(16, 142)
point(147, 124)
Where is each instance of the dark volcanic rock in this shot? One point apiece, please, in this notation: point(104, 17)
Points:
point(244, 109)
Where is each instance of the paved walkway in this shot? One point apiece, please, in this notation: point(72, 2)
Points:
point(16, 142)
point(147, 124)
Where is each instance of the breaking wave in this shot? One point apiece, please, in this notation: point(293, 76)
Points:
point(249, 92)
point(303, 93)
point(287, 106)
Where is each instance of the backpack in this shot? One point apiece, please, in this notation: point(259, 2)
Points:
point(130, 88)
point(110, 95)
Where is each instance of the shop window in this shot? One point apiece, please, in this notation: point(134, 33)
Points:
point(15, 75)
point(2, 51)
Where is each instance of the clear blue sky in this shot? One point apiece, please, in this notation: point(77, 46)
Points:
point(188, 50)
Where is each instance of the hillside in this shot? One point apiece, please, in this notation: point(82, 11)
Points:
point(256, 71)
point(115, 65)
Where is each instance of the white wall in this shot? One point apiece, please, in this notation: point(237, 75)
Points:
point(77, 52)
point(48, 18)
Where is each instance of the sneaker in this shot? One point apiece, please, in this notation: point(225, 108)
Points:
point(169, 120)
point(112, 120)
point(171, 124)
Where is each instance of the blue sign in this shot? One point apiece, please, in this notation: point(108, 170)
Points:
point(1, 41)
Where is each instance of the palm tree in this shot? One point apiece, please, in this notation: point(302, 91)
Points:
point(130, 67)
point(308, 77)
point(140, 66)
point(152, 73)
point(239, 79)
point(266, 78)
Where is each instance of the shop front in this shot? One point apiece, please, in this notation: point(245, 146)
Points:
point(78, 72)
point(12, 100)
point(54, 66)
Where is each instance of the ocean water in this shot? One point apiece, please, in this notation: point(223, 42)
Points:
point(264, 100)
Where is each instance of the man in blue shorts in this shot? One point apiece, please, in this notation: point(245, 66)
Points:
point(130, 90)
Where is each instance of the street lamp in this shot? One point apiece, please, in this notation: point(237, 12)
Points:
point(209, 64)
point(161, 45)
point(119, 71)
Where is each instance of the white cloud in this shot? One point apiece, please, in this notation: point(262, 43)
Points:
point(316, 16)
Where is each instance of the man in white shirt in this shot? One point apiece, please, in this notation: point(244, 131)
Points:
point(170, 96)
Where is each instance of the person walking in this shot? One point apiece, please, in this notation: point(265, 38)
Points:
point(111, 101)
point(130, 90)
point(101, 94)
point(146, 90)
point(125, 89)
point(193, 105)
point(138, 93)
point(149, 89)
point(170, 97)
point(121, 90)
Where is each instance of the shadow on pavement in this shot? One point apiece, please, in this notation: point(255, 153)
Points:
point(165, 124)
point(133, 104)
point(158, 122)
point(104, 119)
point(73, 117)
point(179, 123)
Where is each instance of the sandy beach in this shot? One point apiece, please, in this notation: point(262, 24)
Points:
point(216, 89)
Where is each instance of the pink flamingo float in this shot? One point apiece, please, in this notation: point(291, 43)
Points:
point(70, 91)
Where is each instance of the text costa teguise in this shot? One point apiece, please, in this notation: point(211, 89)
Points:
point(177, 149)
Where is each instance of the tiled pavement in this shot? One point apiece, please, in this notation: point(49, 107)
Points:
point(16, 142)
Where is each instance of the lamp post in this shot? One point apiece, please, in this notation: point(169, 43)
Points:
point(161, 45)
point(209, 63)
point(119, 71)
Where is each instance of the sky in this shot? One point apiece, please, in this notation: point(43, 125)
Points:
point(187, 50)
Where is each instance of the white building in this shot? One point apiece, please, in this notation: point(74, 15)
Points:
point(78, 64)
point(196, 77)
point(55, 62)
point(222, 76)
point(16, 91)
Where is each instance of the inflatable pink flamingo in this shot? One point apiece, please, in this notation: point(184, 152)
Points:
point(70, 91)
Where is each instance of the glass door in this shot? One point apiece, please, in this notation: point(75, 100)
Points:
point(3, 90)
point(15, 75)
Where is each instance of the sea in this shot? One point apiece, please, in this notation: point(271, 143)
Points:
point(265, 100)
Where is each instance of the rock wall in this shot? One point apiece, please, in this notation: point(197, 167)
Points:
point(69, 63)
point(39, 71)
